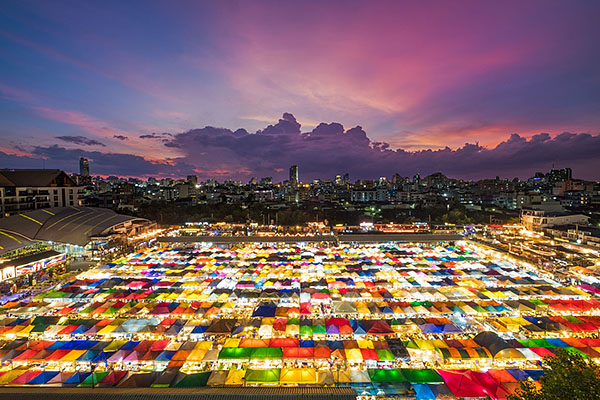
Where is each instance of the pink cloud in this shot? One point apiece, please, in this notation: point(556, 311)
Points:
point(429, 72)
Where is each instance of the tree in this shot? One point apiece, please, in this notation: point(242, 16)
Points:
point(568, 376)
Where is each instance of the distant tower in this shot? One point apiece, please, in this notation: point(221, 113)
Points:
point(84, 167)
point(568, 173)
point(294, 175)
point(192, 179)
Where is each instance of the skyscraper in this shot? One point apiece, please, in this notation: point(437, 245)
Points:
point(294, 175)
point(84, 167)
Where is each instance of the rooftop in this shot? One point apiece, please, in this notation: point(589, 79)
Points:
point(74, 225)
point(34, 178)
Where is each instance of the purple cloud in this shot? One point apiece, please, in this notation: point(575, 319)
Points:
point(155, 135)
point(325, 151)
point(100, 163)
point(121, 137)
point(80, 140)
point(329, 149)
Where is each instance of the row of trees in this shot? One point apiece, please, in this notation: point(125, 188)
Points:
point(568, 377)
point(174, 214)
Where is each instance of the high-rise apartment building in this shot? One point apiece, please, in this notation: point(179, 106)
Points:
point(84, 167)
point(294, 175)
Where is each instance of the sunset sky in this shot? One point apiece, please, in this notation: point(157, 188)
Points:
point(235, 89)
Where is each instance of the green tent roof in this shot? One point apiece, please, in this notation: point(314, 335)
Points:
point(573, 319)
point(536, 343)
point(538, 302)
point(193, 380)
point(97, 376)
point(422, 376)
point(39, 328)
point(263, 375)
point(574, 350)
point(306, 330)
point(386, 375)
point(319, 329)
point(235, 353)
point(267, 353)
point(385, 355)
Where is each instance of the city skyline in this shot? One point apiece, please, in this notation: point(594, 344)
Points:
point(473, 91)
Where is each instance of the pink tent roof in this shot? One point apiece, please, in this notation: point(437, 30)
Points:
point(465, 383)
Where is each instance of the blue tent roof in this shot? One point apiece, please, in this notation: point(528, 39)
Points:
point(77, 377)
point(80, 329)
point(423, 391)
point(430, 328)
point(42, 378)
point(449, 328)
point(102, 357)
point(535, 374)
point(129, 346)
point(358, 327)
point(335, 344)
point(165, 355)
point(88, 356)
point(200, 329)
point(265, 311)
point(557, 342)
point(517, 373)
point(57, 345)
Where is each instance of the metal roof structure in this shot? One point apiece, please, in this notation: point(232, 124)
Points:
point(11, 241)
point(73, 225)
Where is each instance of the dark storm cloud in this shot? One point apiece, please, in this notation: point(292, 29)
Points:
point(80, 140)
point(121, 137)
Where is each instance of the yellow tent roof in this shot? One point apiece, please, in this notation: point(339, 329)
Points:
point(292, 330)
point(235, 377)
point(11, 375)
point(353, 354)
point(196, 355)
point(107, 329)
point(232, 342)
point(72, 355)
point(440, 344)
point(424, 344)
point(115, 345)
point(298, 376)
point(203, 344)
point(25, 331)
point(365, 344)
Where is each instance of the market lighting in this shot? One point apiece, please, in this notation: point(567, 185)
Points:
point(373, 309)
